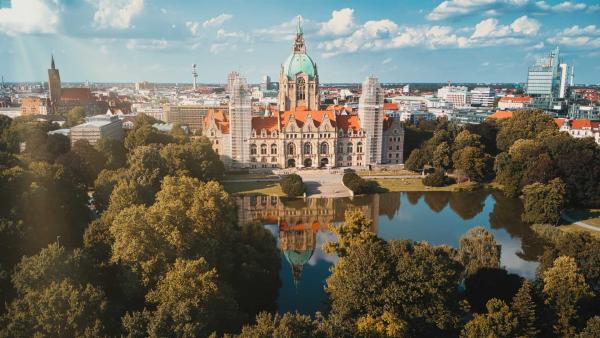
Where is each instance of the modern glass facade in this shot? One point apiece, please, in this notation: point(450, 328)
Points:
point(543, 78)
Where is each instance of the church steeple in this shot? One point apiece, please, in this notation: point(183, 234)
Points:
point(52, 66)
point(299, 46)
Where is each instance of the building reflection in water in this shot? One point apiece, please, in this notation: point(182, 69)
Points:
point(299, 220)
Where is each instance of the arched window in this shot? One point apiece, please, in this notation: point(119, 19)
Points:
point(349, 149)
point(307, 148)
point(359, 147)
point(340, 148)
point(324, 148)
point(291, 149)
point(253, 149)
point(263, 149)
point(300, 88)
point(273, 149)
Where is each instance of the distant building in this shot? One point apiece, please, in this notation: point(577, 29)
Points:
point(457, 95)
point(265, 84)
point(543, 78)
point(35, 105)
point(64, 99)
point(97, 127)
point(230, 78)
point(483, 97)
point(580, 128)
point(191, 116)
point(513, 102)
point(143, 85)
point(54, 84)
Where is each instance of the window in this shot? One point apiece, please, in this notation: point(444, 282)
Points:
point(324, 148)
point(340, 148)
point(263, 149)
point(253, 159)
point(253, 149)
point(273, 149)
point(300, 89)
point(291, 149)
point(273, 159)
point(349, 149)
point(359, 147)
point(397, 147)
point(307, 148)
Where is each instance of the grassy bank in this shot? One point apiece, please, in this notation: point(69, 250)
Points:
point(416, 184)
point(253, 188)
point(587, 216)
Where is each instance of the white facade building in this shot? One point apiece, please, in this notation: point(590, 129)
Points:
point(97, 127)
point(457, 95)
point(370, 113)
point(483, 96)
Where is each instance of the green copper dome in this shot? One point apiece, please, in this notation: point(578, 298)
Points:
point(300, 257)
point(299, 63)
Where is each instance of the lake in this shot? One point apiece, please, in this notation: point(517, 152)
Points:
point(301, 227)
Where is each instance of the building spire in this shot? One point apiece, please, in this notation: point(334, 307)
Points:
point(299, 46)
point(52, 61)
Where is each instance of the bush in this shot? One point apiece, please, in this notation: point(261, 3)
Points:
point(292, 185)
point(358, 185)
point(436, 179)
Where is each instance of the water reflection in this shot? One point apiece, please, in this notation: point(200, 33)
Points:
point(437, 217)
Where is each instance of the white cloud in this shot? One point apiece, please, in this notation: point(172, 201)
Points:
point(147, 44)
point(30, 17)
point(116, 13)
point(285, 31)
point(386, 61)
point(566, 6)
point(217, 20)
point(526, 26)
point(218, 48)
point(575, 36)
point(341, 22)
point(193, 27)
point(453, 8)
point(223, 34)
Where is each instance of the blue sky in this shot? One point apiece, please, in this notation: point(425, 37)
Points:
point(399, 41)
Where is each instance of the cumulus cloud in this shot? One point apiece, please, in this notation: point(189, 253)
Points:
point(566, 6)
point(454, 8)
point(116, 13)
point(286, 30)
point(193, 27)
point(576, 36)
point(386, 61)
point(217, 20)
point(30, 17)
point(386, 34)
point(223, 34)
point(341, 22)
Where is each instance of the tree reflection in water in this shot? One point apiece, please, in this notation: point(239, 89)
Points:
point(301, 226)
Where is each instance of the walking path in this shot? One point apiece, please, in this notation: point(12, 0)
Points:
point(581, 224)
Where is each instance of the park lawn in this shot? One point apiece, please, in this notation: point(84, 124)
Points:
point(253, 188)
point(416, 184)
point(249, 176)
point(388, 173)
point(575, 228)
point(587, 216)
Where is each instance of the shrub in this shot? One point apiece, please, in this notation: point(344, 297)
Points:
point(358, 185)
point(292, 185)
point(436, 179)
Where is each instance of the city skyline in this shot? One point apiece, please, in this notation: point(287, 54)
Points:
point(131, 40)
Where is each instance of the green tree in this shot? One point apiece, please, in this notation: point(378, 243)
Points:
point(196, 159)
point(442, 156)
point(564, 288)
point(524, 309)
point(287, 325)
point(478, 249)
point(499, 321)
point(86, 162)
point(592, 328)
point(75, 116)
point(467, 139)
point(146, 135)
point(416, 160)
point(114, 151)
point(292, 185)
point(525, 124)
point(543, 203)
point(104, 186)
point(472, 161)
point(355, 230)
point(383, 327)
point(191, 302)
point(60, 309)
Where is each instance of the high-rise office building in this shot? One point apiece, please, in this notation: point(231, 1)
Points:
point(543, 78)
point(564, 70)
point(483, 96)
point(265, 84)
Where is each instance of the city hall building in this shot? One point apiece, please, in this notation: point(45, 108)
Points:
point(300, 133)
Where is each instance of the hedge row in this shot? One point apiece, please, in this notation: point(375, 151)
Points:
point(358, 185)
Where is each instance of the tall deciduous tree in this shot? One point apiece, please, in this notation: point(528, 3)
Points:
point(525, 124)
point(543, 203)
point(564, 288)
point(478, 249)
point(499, 321)
point(355, 230)
point(524, 309)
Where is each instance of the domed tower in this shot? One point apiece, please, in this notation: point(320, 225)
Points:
point(298, 79)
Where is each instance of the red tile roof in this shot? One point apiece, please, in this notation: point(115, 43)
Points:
point(346, 122)
point(76, 94)
point(390, 106)
point(301, 114)
point(220, 119)
point(501, 114)
point(268, 123)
